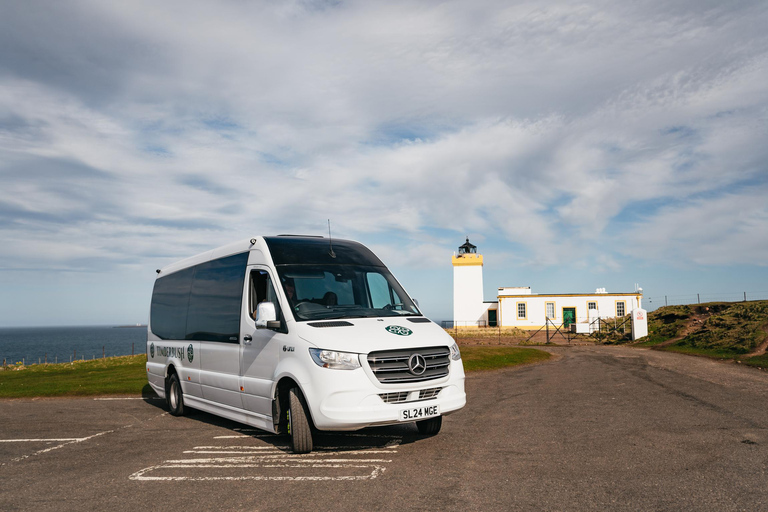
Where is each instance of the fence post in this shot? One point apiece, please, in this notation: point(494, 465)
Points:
point(745, 296)
point(547, 329)
point(665, 301)
point(698, 298)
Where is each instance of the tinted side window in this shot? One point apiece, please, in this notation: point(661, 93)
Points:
point(215, 300)
point(168, 313)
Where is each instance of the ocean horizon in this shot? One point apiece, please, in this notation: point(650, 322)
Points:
point(33, 345)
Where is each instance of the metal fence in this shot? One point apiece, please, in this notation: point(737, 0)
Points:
point(651, 303)
point(69, 358)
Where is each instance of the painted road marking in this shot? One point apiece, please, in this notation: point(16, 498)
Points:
point(40, 440)
point(127, 398)
point(63, 442)
point(243, 462)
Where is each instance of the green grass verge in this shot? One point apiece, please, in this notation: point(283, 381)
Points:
point(758, 361)
point(125, 375)
point(491, 358)
point(128, 376)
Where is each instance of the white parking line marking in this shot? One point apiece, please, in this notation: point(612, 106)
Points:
point(63, 443)
point(262, 436)
point(273, 463)
point(129, 398)
point(40, 440)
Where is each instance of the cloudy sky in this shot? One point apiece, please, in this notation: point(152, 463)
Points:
point(598, 144)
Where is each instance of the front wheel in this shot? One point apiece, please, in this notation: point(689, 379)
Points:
point(431, 426)
point(298, 423)
point(174, 396)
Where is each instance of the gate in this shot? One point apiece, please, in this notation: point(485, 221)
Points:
point(552, 331)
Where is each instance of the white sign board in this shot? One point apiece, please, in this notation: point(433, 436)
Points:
point(639, 323)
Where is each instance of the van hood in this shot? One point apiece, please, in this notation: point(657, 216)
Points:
point(364, 335)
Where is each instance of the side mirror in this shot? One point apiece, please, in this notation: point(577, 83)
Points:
point(266, 316)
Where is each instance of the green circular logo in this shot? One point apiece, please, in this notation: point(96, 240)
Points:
point(399, 330)
point(152, 350)
point(190, 353)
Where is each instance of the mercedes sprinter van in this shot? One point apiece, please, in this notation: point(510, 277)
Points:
point(297, 334)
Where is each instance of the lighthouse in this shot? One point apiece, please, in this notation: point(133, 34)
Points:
point(468, 307)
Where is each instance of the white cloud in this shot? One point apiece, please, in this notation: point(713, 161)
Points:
point(143, 131)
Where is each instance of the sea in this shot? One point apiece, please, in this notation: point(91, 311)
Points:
point(33, 345)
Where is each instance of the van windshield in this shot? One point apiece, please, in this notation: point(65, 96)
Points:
point(318, 292)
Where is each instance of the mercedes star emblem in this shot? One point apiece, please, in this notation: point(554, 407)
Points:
point(417, 364)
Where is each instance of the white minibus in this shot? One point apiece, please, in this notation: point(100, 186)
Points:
point(297, 334)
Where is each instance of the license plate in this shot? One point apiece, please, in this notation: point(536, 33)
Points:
point(419, 413)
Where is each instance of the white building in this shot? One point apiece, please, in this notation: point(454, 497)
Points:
point(519, 307)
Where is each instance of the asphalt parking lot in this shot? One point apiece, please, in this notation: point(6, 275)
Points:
point(598, 428)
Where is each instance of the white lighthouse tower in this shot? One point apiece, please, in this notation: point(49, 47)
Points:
point(468, 307)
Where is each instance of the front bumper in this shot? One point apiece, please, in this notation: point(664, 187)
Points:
point(351, 400)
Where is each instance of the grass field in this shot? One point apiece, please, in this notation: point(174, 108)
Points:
point(477, 358)
point(127, 375)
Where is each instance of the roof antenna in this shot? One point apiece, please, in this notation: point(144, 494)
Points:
point(330, 241)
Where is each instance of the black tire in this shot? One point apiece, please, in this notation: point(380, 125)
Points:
point(431, 426)
point(298, 423)
point(174, 397)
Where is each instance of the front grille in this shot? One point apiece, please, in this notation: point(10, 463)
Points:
point(426, 394)
point(394, 398)
point(410, 396)
point(391, 366)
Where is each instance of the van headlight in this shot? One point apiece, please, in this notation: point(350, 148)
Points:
point(455, 353)
point(335, 360)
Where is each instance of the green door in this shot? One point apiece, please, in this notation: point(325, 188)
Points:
point(569, 316)
point(492, 318)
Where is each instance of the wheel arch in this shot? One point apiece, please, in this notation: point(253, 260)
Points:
point(281, 402)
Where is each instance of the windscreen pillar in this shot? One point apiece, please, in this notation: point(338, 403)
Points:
point(639, 323)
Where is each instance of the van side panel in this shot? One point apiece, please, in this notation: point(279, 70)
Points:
point(219, 375)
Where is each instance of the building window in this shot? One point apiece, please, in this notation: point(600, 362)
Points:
point(621, 308)
point(521, 311)
point(591, 305)
point(551, 310)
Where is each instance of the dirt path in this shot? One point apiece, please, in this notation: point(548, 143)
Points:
point(760, 350)
point(693, 324)
point(698, 321)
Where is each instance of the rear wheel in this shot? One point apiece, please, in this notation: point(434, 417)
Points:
point(174, 396)
point(298, 423)
point(431, 426)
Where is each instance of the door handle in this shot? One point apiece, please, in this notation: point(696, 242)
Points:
point(247, 339)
